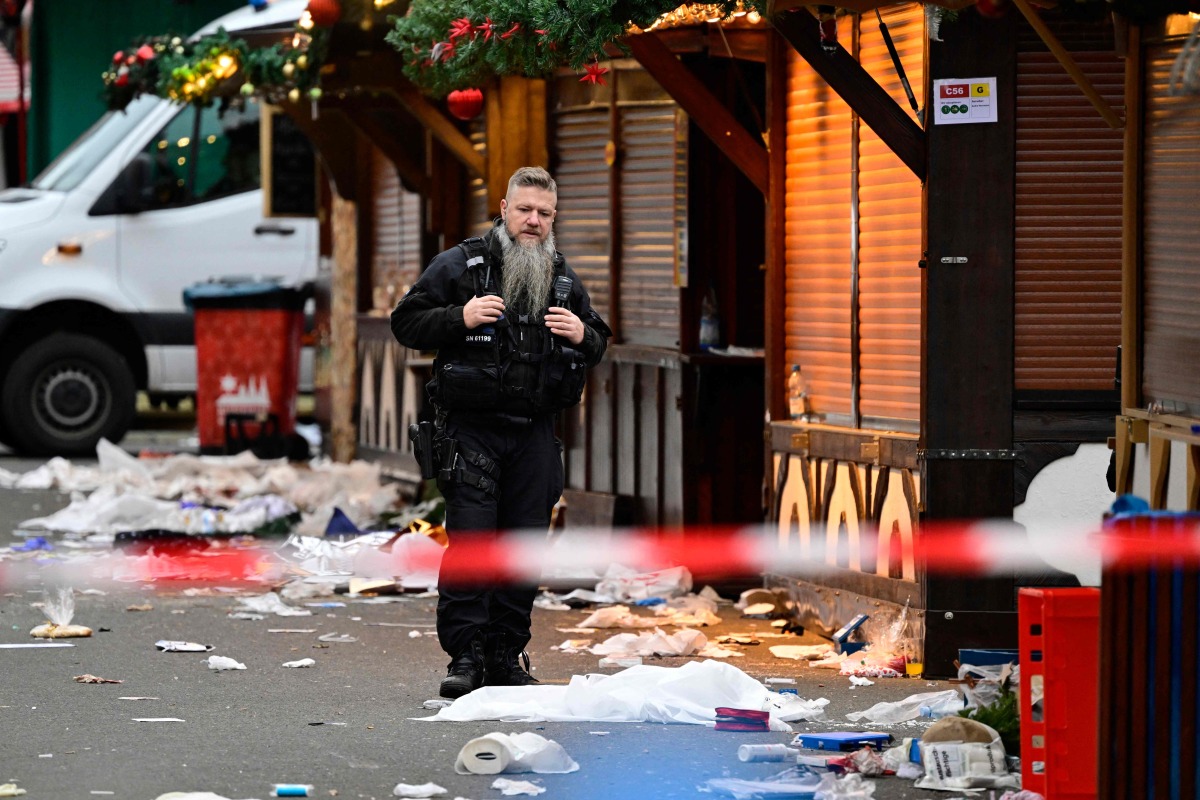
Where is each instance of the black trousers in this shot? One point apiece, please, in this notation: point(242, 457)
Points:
point(530, 476)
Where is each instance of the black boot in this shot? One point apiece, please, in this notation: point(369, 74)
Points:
point(506, 662)
point(465, 673)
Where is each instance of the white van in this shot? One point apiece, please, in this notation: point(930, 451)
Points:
point(96, 252)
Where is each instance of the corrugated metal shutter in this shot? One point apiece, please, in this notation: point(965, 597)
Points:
point(1171, 281)
point(479, 218)
point(889, 242)
point(396, 233)
point(817, 237)
point(385, 215)
point(1068, 222)
point(649, 297)
point(582, 224)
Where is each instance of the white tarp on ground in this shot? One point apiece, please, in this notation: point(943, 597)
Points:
point(689, 694)
point(129, 493)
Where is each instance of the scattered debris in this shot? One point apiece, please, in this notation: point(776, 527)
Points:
point(10, 790)
point(223, 663)
point(886, 713)
point(157, 719)
point(87, 678)
point(422, 790)
point(337, 638)
point(742, 719)
point(682, 643)
point(168, 646)
point(291, 790)
point(304, 662)
point(494, 753)
point(140, 607)
point(59, 612)
point(798, 781)
point(510, 787)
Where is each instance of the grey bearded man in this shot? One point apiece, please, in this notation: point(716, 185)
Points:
point(515, 332)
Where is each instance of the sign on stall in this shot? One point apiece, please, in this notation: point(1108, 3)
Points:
point(961, 101)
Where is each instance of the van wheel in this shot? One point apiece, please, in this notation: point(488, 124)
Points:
point(66, 392)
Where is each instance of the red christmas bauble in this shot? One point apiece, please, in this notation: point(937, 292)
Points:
point(324, 12)
point(465, 103)
point(992, 9)
point(145, 53)
point(118, 56)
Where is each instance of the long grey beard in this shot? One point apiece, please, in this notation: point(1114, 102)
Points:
point(527, 273)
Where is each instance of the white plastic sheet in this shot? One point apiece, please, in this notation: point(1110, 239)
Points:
point(688, 694)
point(682, 643)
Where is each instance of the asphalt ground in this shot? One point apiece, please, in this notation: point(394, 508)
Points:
point(244, 731)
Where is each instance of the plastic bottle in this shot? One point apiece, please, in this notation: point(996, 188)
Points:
point(943, 708)
point(797, 394)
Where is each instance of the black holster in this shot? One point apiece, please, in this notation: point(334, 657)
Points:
point(421, 435)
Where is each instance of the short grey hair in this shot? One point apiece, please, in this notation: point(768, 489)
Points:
point(531, 176)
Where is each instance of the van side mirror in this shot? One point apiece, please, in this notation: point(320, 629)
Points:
point(135, 193)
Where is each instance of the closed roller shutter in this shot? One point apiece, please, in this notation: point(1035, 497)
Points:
point(817, 237)
point(1068, 219)
point(1171, 281)
point(479, 218)
point(582, 224)
point(386, 278)
point(649, 297)
point(889, 242)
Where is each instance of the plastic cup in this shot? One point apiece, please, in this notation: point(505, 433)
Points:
point(913, 669)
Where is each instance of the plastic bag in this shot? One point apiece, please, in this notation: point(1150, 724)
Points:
point(60, 611)
point(961, 764)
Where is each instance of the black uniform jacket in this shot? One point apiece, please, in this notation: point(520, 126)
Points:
point(430, 315)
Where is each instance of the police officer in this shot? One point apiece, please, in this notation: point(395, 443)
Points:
point(515, 332)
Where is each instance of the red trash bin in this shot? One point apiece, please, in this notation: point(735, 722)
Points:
point(247, 363)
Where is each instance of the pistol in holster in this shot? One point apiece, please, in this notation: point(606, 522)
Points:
point(421, 435)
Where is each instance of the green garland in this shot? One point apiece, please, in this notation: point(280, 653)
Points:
point(215, 67)
point(455, 44)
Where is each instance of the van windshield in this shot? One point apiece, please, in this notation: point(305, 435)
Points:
point(77, 161)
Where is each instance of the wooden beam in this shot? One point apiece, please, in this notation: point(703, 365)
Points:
point(412, 172)
point(380, 73)
point(441, 127)
point(1055, 46)
point(334, 139)
point(862, 93)
point(745, 150)
point(1131, 245)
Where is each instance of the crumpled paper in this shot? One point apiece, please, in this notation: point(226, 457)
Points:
point(224, 662)
point(417, 790)
point(794, 782)
point(270, 603)
point(688, 694)
point(494, 753)
point(851, 787)
point(682, 643)
point(510, 787)
point(625, 585)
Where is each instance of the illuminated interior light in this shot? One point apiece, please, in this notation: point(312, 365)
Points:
point(184, 142)
point(181, 161)
point(306, 21)
point(211, 138)
point(162, 145)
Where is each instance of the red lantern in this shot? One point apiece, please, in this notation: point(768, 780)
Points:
point(465, 103)
point(324, 12)
point(992, 9)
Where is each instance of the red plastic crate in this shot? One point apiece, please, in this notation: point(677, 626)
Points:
point(1060, 661)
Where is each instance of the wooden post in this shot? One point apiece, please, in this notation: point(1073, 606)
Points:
point(344, 329)
point(967, 344)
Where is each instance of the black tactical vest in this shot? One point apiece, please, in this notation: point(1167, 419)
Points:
point(515, 365)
